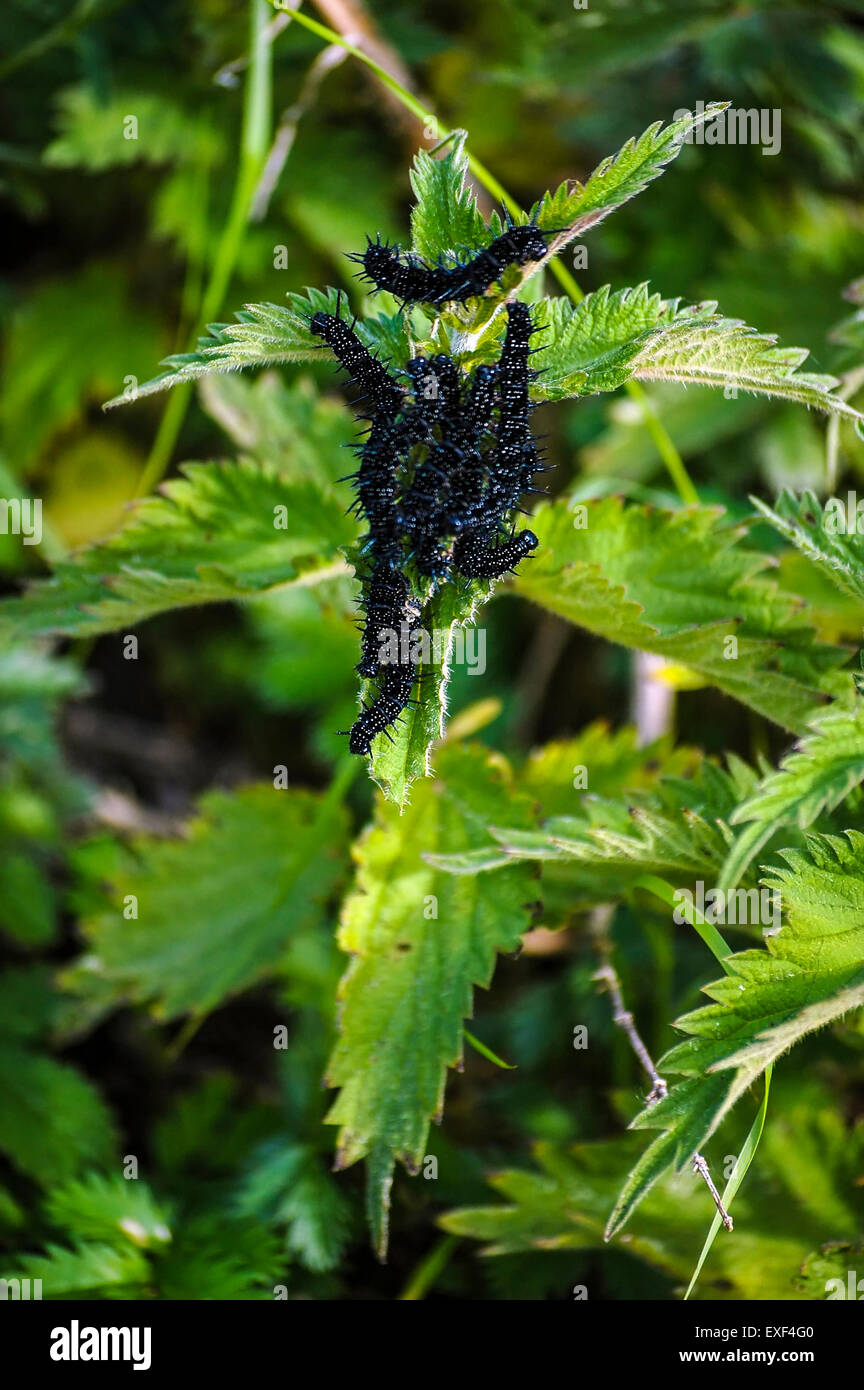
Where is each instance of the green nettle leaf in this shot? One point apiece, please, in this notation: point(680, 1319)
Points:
point(563, 1207)
point(105, 1270)
point(833, 1272)
point(28, 905)
point(804, 1186)
point(602, 761)
point(446, 221)
point(221, 1258)
point(682, 585)
point(588, 347)
point(445, 217)
point(110, 1209)
point(809, 974)
point(826, 535)
point(32, 686)
point(221, 531)
point(613, 336)
point(816, 1151)
point(291, 427)
point(286, 1184)
point(200, 918)
point(28, 1002)
point(679, 829)
point(52, 1122)
point(94, 131)
point(420, 940)
point(572, 782)
point(619, 177)
point(820, 772)
point(262, 335)
point(724, 352)
point(67, 345)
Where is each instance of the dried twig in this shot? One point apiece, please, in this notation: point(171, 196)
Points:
point(352, 20)
point(624, 1019)
point(329, 58)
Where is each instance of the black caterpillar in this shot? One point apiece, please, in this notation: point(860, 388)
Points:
point(384, 710)
point(476, 559)
point(413, 281)
point(394, 691)
point(513, 460)
point(365, 371)
point(444, 464)
point(384, 610)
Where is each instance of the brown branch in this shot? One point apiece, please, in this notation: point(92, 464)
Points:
point(351, 19)
point(624, 1019)
point(283, 141)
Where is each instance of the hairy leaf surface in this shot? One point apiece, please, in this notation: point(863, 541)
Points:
point(420, 940)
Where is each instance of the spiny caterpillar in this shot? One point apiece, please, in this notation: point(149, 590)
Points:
point(413, 281)
point(394, 691)
point(444, 463)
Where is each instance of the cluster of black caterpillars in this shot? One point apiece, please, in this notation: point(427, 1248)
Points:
point(445, 461)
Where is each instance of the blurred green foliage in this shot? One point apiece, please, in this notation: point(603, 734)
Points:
point(160, 1100)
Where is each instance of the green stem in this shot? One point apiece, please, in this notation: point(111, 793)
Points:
point(663, 443)
point(487, 1052)
point(712, 938)
point(742, 1163)
point(184, 1036)
point(428, 1270)
point(254, 145)
point(745, 848)
point(661, 437)
point(697, 920)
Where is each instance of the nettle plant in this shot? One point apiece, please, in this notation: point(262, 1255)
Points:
point(446, 874)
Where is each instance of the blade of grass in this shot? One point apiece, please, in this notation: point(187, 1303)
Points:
point(254, 147)
point(714, 941)
point(428, 1270)
point(487, 1051)
point(697, 920)
point(747, 845)
point(742, 1163)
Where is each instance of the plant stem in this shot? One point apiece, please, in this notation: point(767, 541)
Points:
point(624, 1019)
point(744, 850)
point(428, 1270)
point(697, 920)
point(661, 437)
point(487, 1051)
point(659, 1090)
point(663, 442)
point(254, 145)
point(742, 1163)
